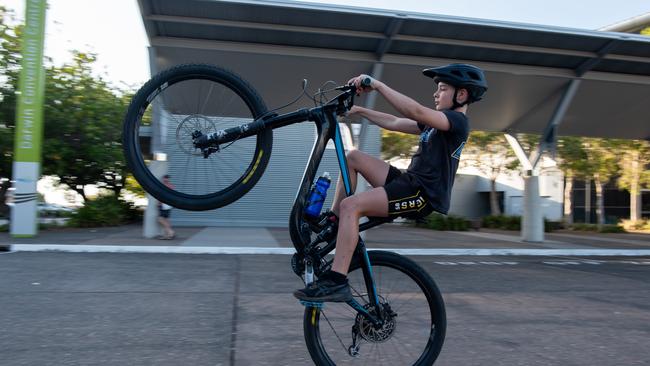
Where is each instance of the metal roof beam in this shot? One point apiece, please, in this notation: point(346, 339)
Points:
point(492, 45)
point(591, 63)
point(547, 142)
point(517, 69)
point(264, 26)
point(518, 48)
point(262, 49)
point(392, 29)
point(389, 36)
point(359, 56)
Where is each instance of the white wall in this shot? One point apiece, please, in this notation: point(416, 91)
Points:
point(551, 183)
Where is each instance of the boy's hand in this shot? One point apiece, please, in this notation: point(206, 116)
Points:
point(363, 83)
point(354, 110)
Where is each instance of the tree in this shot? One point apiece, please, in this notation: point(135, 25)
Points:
point(490, 153)
point(634, 159)
point(82, 117)
point(572, 160)
point(602, 163)
point(397, 144)
point(10, 44)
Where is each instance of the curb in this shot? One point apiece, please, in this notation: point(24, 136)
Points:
point(290, 251)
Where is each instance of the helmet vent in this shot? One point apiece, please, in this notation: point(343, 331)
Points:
point(473, 75)
point(457, 73)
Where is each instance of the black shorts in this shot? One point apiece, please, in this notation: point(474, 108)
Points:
point(164, 213)
point(405, 197)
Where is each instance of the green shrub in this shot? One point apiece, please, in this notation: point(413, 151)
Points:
point(584, 227)
point(595, 228)
point(550, 226)
point(4, 228)
point(104, 211)
point(502, 222)
point(491, 222)
point(612, 229)
point(512, 223)
point(437, 221)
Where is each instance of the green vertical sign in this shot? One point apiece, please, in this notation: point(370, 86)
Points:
point(29, 122)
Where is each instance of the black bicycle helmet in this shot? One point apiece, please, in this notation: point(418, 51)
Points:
point(463, 76)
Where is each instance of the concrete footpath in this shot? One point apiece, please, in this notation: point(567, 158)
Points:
point(402, 238)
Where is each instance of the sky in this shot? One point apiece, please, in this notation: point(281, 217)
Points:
point(113, 29)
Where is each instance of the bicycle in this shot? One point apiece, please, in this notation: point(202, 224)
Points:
point(397, 315)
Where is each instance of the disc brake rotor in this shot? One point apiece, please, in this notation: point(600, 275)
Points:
point(369, 333)
point(189, 125)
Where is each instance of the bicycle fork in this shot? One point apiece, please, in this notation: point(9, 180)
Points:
point(377, 318)
point(373, 310)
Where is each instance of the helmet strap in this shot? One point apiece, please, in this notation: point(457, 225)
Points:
point(456, 104)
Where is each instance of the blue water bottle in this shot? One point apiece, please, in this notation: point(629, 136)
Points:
point(317, 196)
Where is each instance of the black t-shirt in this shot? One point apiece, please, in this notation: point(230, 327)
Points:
point(434, 165)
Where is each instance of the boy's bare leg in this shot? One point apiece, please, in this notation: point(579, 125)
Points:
point(369, 203)
point(374, 170)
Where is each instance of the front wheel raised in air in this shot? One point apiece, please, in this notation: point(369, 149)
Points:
point(157, 137)
point(414, 329)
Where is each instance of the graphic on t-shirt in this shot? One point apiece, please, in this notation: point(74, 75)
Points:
point(424, 136)
point(456, 153)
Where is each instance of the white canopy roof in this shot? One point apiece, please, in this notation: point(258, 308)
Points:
point(276, 44)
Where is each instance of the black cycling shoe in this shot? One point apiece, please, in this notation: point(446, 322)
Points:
point(325, 290)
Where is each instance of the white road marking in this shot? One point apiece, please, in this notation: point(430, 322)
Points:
point(290, 251)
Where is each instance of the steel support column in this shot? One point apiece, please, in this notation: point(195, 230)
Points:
point(532, 221)
point(158, 166)
point(371, 101)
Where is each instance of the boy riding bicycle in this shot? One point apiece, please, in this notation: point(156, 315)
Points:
point(425, 186)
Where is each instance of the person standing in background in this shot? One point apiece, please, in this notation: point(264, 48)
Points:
point(164, 210)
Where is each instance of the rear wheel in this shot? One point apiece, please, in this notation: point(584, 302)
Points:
point(157, 137)
point(415, 320)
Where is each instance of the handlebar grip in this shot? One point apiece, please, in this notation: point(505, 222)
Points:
point(366, 82)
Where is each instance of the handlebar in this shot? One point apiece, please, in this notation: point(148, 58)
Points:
point(346, 99)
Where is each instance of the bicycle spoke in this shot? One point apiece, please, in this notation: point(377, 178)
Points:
point(332, 327)
point(198, 99)
point(207, 98)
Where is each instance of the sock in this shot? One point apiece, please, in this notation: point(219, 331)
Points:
point(337, 278)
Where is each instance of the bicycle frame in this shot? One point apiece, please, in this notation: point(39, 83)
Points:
point(325, 118)
point(328, 128)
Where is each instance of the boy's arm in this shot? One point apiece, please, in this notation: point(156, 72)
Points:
point(412, 109)
point(405, 105)
point(387, 121)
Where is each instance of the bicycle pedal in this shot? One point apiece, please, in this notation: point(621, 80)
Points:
point(312, 304)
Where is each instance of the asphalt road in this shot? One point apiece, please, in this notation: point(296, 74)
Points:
point(164, 309)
